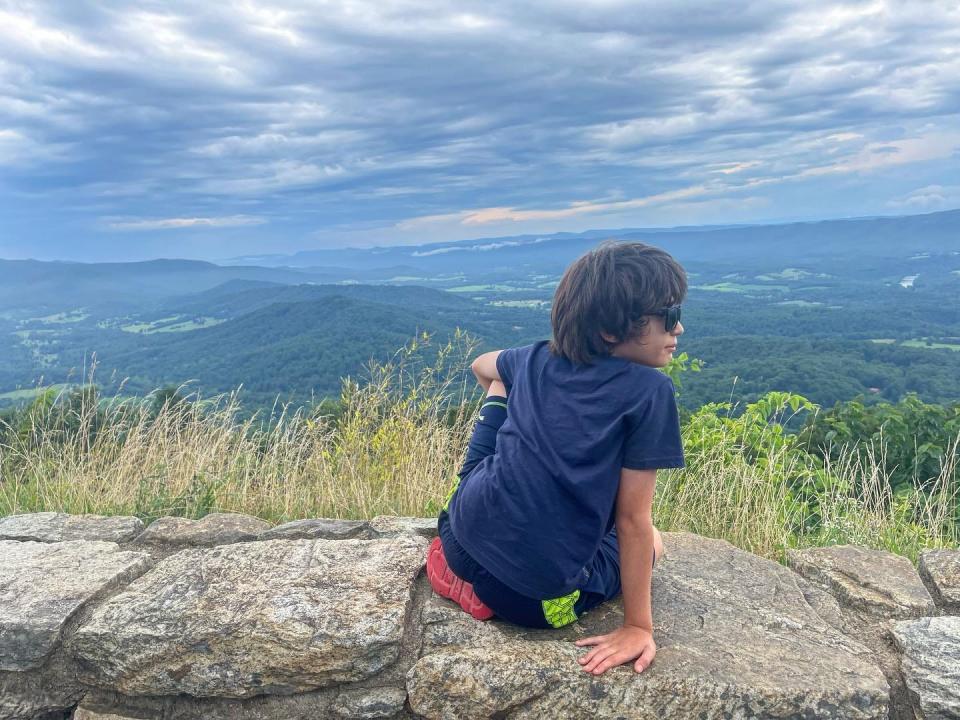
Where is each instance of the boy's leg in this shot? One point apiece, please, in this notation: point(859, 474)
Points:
point(450, 570)
point(483, 441)
point(604, 582)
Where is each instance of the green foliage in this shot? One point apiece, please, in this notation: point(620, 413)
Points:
point(758, 437)
point(679, 365)
point(758, 432)
point(154, 497)
point(56, 416)
point(166, 398)
point(914, 442)
point(394, 437)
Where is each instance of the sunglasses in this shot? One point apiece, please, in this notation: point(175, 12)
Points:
point(671, 316)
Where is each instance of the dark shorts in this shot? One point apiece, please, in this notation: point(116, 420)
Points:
point(602, 584)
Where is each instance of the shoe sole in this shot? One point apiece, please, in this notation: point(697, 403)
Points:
point(446, 583)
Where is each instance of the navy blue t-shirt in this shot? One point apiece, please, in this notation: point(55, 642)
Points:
point(533, 514)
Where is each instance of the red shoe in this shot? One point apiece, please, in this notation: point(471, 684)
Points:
point(446, 583)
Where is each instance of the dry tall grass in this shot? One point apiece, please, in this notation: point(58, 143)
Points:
point(398, 444)
point(394, 450)
point(794, 500)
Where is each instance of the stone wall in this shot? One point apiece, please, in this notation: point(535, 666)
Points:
point(229, 618)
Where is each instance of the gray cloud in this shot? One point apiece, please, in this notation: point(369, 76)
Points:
point(313, 115)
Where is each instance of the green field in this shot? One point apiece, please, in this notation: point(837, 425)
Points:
point(741, 288)
point(483, 288)
point(30, 393)
point(70, 316)
point(535, 304)
point(922, 343)
point(785, 274)
point(170, 324)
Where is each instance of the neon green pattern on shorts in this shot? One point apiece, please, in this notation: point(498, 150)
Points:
point(559, 611)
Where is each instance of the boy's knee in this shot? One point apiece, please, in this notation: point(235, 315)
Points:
point(497, 388)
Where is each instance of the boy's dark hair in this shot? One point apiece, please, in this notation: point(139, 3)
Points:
point(610, 290)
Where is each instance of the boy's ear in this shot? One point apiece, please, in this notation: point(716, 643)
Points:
point(609, 338)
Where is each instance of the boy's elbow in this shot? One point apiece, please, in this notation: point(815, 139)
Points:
point(634, 523)
point(485, 366)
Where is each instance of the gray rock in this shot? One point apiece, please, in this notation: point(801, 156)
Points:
point(266, 617)
point(931, 665)
point(83, 714)
point(873, 584)
point(319, 528)
point(872, 588)
point(356, 702)
point(51, 527)
point(42, 585)
point(735, 633)
point(42, 693)
point(43, 588)
point(369, 703)
point(391, 525)
point(940, 571)
point(209, 531)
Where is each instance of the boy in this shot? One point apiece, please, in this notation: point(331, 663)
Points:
point(552, 512)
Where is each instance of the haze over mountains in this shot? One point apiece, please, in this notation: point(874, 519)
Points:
point(832, 309)
point(867, 237)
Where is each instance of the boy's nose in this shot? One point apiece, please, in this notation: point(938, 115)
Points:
point(678, 330)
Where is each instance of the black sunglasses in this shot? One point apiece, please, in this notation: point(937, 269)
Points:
point(671, 316)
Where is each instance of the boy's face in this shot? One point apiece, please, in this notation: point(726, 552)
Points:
point(653, 347)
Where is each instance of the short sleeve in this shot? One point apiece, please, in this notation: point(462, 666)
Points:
point(507, 365)
point(653, 431)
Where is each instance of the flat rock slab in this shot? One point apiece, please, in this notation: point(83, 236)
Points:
point(42, 585)
point(737, 636)
point(46, 693)
point(322, 528)
point(379, 527)
point(392, 525)
point(51, 527)
point(871, 584)
point(351, 702)
point(264, 617)
point(209, 531)
point(82, 713)
point(931, 664)
point(940, 570)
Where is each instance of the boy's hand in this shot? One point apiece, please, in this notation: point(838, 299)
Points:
point(621, 646)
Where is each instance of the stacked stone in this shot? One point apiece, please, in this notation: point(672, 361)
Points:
point(227, 617)
point(885, 603)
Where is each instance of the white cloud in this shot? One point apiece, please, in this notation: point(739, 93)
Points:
point(27, 33)
point(931, 197)
point(483, 247)
point(472, 115)
point(274, 177)
point(17, 148)
point(180, 223)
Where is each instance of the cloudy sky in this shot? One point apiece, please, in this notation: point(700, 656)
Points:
point(132, 129)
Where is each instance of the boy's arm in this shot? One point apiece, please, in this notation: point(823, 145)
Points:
point(635, 536)
point(485, 369)
point(634, 523)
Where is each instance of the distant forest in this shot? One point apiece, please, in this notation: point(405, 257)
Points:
point(833, 311)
